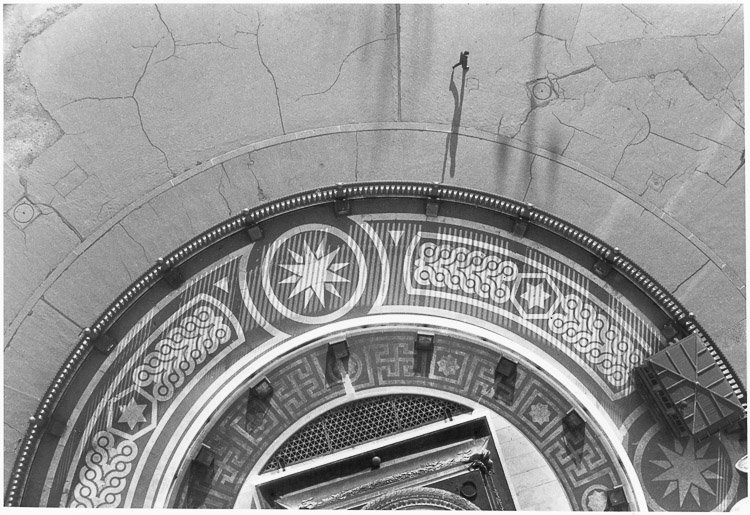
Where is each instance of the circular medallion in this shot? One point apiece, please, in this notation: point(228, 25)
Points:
point(23, 213)
point(684, 475)
point(314, 274)
point(542, 91)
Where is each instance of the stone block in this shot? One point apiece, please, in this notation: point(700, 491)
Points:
point(179, 214)
point(11, 440)
point(544, 129)
point(87, 39)
point(533, 478)
point(645, 240)
point(30, 255)
point(604, 23)
point(114, 154)
point(297, 166)
point(717, 217)
point(71, 181)
point(677, 109)
point(491, 167)
point(687, 20)
point(401, 155)
point(13, 190)
point(241, 184)
point(708, 75)
point(548, 496)
point(653, 166)
point(112, 264)
point(570, 194)
point(495, 93)
point(720, 309)
point(603, 118)
point(51, 166)
point(723, 46)
point(628, 59)
point(322, 84)
point(226, 100)
point(524, 462)
point(31, 360)
point(558, 20)
point(512, 442)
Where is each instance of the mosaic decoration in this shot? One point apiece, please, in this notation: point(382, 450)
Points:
point(589, 331)
point(595, 498)
point(199, 332)
point(685, 475)
point(539, 413)
point(312, 274)
point(102, 480)
point(359, 422)
point(178, 354)
point(391, 357)
point(460, 269)
point(486, 274)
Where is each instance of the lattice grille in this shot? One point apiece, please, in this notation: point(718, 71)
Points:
point(360, 422)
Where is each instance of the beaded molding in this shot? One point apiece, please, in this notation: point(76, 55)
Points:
point(252, 216)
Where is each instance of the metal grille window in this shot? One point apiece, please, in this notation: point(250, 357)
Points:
point(360, 422)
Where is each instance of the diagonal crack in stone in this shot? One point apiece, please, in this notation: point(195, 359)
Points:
point(531, 177)
point(140, 116)
point(171, 35)
point(674, 292)
point(145, 255)
point(132, 97)
point(261, 194)
point(222, 187)
point(273, 78)
point(62, 218)
point(341, 66)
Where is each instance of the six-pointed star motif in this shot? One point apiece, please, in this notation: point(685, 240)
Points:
point(686, 469)
point(132, 413)
point(314, 272)
point(535, 295)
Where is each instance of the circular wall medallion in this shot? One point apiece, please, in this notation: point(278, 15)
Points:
point(542, 91)
point(314, 274)
point(23, 213)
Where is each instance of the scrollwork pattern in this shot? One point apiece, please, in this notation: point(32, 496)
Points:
point(178, 354)
point(472, 272)
point(103, 478)
point(593, 335)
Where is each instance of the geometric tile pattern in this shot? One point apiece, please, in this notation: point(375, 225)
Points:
point(481, 271)
point(360, 422)
point(313, 274)
point(392, 357)
point(472, 376)
point(177, 351)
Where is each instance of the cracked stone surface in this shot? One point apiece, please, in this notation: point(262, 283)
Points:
point(115, 260)
point(113, 113)
point(45, 332)
point(321, 83)
point(37, 250)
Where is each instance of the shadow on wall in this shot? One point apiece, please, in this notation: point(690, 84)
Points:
point(510, 171)
point(451, 141)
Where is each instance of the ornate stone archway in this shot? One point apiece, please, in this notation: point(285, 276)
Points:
point(169, 365)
